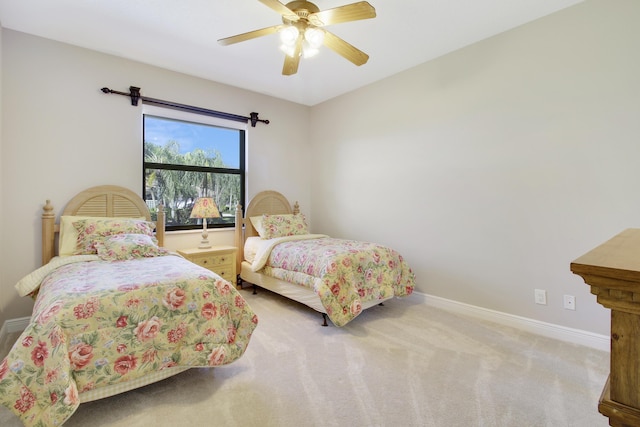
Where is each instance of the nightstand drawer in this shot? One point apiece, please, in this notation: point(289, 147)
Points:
point(219, 259)
point(227, 273)
point(212, 261)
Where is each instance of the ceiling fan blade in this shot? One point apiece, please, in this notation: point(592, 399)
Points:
point(250, 35)
point(346, 13)
point(291, 62)
point(344, 49)
point(281, 9)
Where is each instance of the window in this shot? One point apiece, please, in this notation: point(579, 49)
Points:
point(189, 155)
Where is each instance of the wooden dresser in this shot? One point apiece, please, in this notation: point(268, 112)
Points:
point(219, 259)
point(613, 272)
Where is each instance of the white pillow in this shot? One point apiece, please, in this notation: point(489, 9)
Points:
point(256, 221)
point(251, 246)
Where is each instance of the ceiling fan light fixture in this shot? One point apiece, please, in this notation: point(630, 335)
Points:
point(308, 51)
point(289, 35)
point(314, 36)
point(289, 50)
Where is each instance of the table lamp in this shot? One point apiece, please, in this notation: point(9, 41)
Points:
point(205, 208)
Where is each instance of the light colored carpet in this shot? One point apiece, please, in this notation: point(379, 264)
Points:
point(403, 364)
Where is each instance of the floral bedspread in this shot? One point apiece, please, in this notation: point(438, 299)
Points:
point(344, 273)
point(97, 323)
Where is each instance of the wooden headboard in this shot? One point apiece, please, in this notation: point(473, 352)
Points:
point(100, 201)
point(265, 202)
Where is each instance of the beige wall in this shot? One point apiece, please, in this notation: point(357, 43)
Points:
point(493, 167)
point(62, 134)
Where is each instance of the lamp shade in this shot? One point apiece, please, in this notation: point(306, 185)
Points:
point(205, 207)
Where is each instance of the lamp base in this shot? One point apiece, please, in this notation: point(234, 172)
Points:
point(204, 245)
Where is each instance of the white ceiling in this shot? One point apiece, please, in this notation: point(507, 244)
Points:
point(181, 35)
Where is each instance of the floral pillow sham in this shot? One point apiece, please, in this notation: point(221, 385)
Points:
point(121, 247)
point(283, 225)
point(69, 235)
point(92, 231)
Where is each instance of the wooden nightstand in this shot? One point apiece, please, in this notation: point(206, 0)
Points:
point(219, 259)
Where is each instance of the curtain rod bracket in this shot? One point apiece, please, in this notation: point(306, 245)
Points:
point(254, 119)
point(134, 94)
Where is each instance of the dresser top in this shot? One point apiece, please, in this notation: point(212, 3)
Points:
point(618, 257)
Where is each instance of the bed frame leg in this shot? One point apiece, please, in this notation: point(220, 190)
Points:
point(324, 319)
point(255, 290)
point(382, 304)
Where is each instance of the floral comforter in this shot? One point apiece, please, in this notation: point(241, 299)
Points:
point(344, 273)
point(98, 323)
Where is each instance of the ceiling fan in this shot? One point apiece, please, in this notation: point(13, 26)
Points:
point(302, 33)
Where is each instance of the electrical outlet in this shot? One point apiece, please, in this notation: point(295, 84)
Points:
point(541, 296)
point(569, 302)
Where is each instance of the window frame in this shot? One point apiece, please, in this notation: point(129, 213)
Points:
point(197, 116)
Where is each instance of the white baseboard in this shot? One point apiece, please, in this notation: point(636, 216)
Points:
point(550, 330)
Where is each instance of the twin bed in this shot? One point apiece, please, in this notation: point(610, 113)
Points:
point(114, 310)
point(338, 278)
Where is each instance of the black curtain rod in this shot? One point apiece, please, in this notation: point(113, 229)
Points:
point(134, 94)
